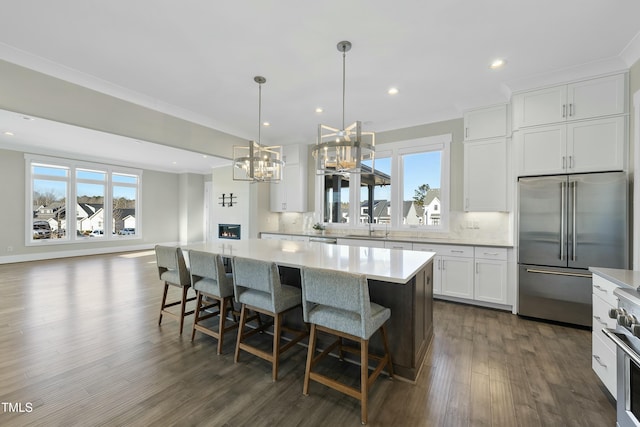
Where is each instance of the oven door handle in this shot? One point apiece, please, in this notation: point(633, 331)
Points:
point(615, 337)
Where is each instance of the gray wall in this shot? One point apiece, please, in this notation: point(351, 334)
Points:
point(29, 92)
point(456, 128)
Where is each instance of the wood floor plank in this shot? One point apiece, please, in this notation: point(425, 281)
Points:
point(79, 340)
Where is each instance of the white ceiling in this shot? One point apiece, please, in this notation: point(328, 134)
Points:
point(197, 59)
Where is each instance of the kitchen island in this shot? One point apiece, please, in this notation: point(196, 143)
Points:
point(399, 280)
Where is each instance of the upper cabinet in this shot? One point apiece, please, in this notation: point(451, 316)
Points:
point(485, 175)
point(290, 195)
point(485, 159)
point(604, 96)
point(484, 123)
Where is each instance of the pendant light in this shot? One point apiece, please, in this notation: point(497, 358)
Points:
point(341, 151)
point(255, 162)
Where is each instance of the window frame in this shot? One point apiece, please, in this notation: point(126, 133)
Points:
point(396, 150)
point(71, 198)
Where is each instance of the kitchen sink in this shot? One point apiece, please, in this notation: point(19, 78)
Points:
point(365, 236)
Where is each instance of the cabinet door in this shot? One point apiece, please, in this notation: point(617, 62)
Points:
point(541, 150)
point(490, 281)
point(597, 97)
point(540, 107)
point(596, 145)
point(485, 175)
point(457, 277)
point(485, 123)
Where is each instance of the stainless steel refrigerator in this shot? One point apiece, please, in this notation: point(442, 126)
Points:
point(568, 223)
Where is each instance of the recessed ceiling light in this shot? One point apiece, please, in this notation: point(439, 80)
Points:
point(28, 118)
point(266, 124)
point(8, 133)
point(393, 91)
point(319, 110)
point(497, 63)
point(204, 156)
point(173, 163)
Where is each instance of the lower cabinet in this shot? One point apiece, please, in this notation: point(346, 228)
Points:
point(603, 350)
point(469, 273)
point(297, 238)
point(490, 279)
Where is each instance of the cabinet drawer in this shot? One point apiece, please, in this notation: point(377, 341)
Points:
point(603, 362)
point(491, 253)
point(458, 251)
point(604, 289)
point(602, 320)
point(427, 247)
point(398, 245)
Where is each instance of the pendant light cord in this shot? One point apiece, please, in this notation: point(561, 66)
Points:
point(344, 60)
point(259, 110)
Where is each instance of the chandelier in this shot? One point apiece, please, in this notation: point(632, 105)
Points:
point(342, 151)
point(255, 162)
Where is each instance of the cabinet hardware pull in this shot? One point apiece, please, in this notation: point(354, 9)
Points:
point(570, 109)
point(599, 362)
point(457, 252)
point(600, 289)
point(492, 253)
point(477, 263)
point(466, 132)
point(557, 273)
point(564, 110)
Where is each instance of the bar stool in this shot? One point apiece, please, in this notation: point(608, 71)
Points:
point(209, 279)
point(173, 271)
point(258, 288)
point(338, 303)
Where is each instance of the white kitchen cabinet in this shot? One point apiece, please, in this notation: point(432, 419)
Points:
point(485, 175)
point(437, 263)
point(398, 245)
point(290, 194)
point(456, 270)
point(371, 243)
point(603, 357)
point(490, 279)
point(585, 99)
point(585, 146)
point(484, 123)
point(293, 237)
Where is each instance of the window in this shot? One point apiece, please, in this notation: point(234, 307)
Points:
point(407, 187)
point(85, 191)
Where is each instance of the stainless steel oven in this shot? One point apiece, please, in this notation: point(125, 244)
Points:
point(626, 336)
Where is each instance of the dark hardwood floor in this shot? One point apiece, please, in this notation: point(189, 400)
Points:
point(80, 345)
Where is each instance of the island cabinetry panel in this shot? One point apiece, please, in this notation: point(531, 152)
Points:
point(603, 357)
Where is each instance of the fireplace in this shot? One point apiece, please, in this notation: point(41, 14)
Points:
point(229, 231)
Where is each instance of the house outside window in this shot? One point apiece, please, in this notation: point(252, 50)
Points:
point(61, 186)
point(407, 188)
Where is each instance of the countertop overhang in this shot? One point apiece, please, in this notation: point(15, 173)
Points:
point(387, 265)
point(625, 278)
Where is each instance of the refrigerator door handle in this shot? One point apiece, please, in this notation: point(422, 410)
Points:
point(562, 218)
point(557, 273)
point(574, 228)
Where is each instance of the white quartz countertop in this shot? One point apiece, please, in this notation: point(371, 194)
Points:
point(388, 265)
point(626, 278)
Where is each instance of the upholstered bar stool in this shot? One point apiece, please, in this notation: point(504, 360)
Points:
point(338, 303)
point(173, 271)
point(210, 281)
point(258, 288)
